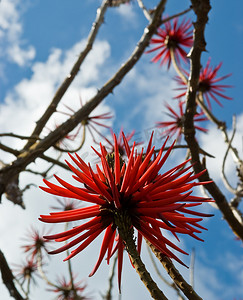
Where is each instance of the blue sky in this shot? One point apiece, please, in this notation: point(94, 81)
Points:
point(39, 42)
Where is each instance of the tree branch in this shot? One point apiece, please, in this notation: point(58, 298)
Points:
point(201, 8)
point(37, 149)
point(185, 287)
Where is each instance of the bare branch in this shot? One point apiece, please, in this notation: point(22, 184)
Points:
point(108, 295)
point(144, 9)
point(40, 147)
point(225, 180)
point(201, 8)
point(22, 137)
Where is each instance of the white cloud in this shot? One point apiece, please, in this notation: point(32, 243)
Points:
point(127, 12)
point(12, 44)
point(34, 94)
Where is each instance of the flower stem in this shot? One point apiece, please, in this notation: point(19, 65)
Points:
point(175, 65)
point(126, 232)
point(41, 272)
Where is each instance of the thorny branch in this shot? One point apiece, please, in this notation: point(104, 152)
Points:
point(37, 149)
point(201, 9)
point(181, 283)
point(172, 285)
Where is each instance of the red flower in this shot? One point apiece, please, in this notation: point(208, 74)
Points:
point(120, 143)
point(176, 126)
point(26, 271)
point(91, 122)
point(134, 192)
point(63, 144)
point(172, 38)
point(207, 85)
point(37, 244)
point(67, 291)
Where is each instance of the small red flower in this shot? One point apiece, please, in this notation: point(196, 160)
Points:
point(67, 291)
point(207, 85)
point(176, 126)
point(91, 122)
point(37, 244)
point(134, 191)
point(64, 143)
point(26, 271)
point(172, 38)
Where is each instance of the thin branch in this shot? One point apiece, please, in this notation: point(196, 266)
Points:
point(144, 9)
point(221, 125)
point(76, 149)
point(40, 147)
point(186, 147)
point(22, 137)
point(225, 180)
point(9, 150)
point(177, 15)
point(108, 295)
point(54, 161)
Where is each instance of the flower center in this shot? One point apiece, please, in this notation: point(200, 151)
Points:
point(180, 122)
point(171, 42)
point(204, 86)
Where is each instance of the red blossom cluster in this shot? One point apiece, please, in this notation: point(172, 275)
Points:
point(171, 41)
point(129, 192)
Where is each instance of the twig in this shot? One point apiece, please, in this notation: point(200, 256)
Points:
point(22, 137)
point(72, 288)
point(9, 150)
point(144, 9)
point(108, 295)
point(54, 161)
point(225, 180)
point(176, 15)
point(40, 147)
point(221, 125)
